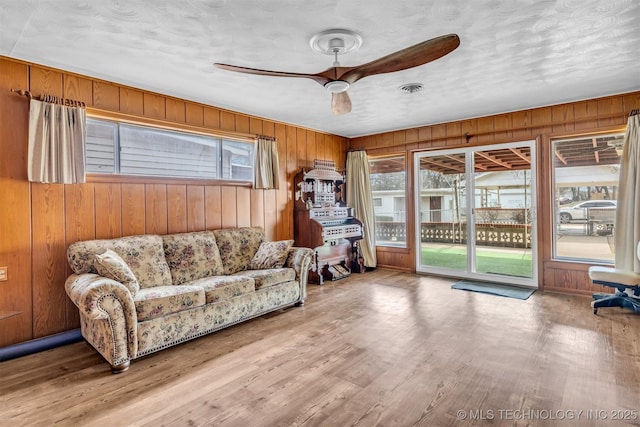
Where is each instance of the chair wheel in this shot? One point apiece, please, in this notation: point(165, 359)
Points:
point(595, 311)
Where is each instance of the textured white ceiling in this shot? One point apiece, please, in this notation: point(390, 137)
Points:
point(514, 54)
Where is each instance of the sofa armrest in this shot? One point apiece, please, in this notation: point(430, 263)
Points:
point(108, 315)
point(300, 260)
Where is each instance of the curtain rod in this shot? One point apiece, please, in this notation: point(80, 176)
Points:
point(51, 99)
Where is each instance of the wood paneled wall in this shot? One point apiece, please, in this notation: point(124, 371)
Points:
point(542, 124)
point(39, 221)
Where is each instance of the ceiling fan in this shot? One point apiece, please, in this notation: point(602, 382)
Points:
point(338, 79)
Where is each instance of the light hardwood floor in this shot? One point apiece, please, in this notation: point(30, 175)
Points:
point(380, 348)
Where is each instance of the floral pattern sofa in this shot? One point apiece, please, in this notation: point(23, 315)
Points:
point(140, 294)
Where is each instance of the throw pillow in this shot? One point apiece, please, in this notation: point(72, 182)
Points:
point(237, 246)
point(110, 265)
point(192, 256)
point(271, 255)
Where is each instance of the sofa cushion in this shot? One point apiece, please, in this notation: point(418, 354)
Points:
point(271, 255)
point(160, 301)
point(192, 256)
point(109, 264)
point(238, 246)
point(269, 277)
point(220, 288)
point(143, 254)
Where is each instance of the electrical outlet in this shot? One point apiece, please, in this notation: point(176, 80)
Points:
point(3, 274)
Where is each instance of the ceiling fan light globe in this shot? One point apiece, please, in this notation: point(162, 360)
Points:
point(337, 86)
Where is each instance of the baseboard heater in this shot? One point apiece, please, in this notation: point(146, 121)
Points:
point(40, 344)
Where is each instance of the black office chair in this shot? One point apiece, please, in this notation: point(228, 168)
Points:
point(626, 283)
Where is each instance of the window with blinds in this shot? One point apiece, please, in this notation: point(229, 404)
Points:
point(121, 148)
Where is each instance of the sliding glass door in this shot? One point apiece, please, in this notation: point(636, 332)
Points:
point(442, 212)
point(475, 213)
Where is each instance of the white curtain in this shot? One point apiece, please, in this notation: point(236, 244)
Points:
point(56, 143)
point(627, 232)
point(360, 199)
point(266, 166)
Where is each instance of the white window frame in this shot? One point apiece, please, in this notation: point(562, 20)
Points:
point(587, 256)
point(380, 195)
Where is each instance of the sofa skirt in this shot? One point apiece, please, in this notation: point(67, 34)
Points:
point(157, 334)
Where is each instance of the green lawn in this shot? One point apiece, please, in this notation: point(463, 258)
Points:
point(514, 263)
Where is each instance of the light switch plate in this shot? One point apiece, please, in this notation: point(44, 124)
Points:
point(3, 274)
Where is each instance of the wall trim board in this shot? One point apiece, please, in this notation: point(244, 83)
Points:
point(168, 125)
point(40, 344)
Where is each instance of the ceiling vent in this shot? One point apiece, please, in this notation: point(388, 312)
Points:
point(411, 88)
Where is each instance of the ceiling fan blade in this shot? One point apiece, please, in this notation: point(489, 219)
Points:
point(318, 78)
point(340, 103)
point(413, 56)
point(341, 77)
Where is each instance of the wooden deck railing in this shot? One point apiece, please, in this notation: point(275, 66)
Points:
point(487, 234)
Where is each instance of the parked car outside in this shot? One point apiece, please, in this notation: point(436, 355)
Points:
point(579, 211)
point(564, 200)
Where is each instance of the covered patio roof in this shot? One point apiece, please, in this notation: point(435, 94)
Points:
point(582, 151)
